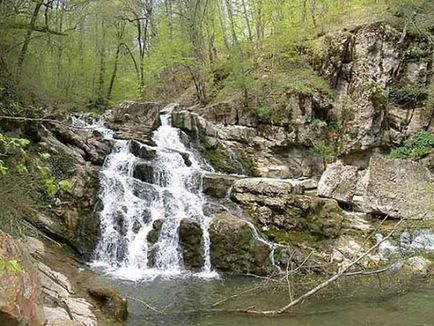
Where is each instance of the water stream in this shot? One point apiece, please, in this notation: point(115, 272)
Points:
point(131, 207)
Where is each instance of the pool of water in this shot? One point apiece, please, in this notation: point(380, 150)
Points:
point(368, 301)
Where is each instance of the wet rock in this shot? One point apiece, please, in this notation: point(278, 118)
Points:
point(339, 182)
point(155, 232)
point(218, 185)
point(346, 249)
point(419, 264)
point(144, 172)
point(399, 188)
point(234, 249)
point(191, 243)
point(20, 301)
point(111, 302)
point(144, 191)
point(144, 152)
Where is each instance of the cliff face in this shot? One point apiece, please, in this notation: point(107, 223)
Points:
point(381, 89)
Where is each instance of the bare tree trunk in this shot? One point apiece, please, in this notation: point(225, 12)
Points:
point(246, 17)
point(231, 20)
point(115, 70)
point(28, 38)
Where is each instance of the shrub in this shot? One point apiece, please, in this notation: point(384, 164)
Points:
point(421, 145)
point(409, 94)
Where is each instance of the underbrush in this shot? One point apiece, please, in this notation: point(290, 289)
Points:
point(419, 146)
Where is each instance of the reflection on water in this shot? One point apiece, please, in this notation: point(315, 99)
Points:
point(373, 301)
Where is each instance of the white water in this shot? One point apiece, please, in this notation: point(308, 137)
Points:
point(130, 207)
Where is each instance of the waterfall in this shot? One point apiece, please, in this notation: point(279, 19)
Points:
point(168, 192)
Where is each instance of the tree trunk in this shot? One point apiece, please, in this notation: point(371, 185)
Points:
point(27, 38)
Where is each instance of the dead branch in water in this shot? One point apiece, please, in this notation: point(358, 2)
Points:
point(145, 304)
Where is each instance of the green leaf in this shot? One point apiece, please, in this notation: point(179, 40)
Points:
point(14, 266)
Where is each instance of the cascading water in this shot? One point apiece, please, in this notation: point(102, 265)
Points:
point(131, 206)
point(168, 190)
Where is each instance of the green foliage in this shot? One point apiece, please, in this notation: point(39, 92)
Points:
point(327, 152)
point(418, 147)
point(51, 185)
point(11, 265)
point(408, 94)
point(13, 154)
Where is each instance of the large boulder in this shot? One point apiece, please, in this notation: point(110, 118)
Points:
point(235, 249)
point(191, 243)
point(399, 189)
point(110, 301)
point(266, 191)
point(145, 113)
point(19, 286)
point(218, 185)
point(339, 181)
point(136, 120)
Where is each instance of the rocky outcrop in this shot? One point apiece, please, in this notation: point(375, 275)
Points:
point(400, 189)
point(253, 149)
point(391, 187)
point(234, 248)
point(135, 120)
point(369, 68)
point(283, 213)
point(20, 291)
point(60, 302)
point(110, 301)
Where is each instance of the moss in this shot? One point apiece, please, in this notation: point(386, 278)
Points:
point(62, 166)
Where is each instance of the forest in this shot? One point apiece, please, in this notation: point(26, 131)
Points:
point(88, 52)
point(216, 162)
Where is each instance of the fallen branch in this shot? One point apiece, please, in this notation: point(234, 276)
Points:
point(41, 120)
point(145, 304)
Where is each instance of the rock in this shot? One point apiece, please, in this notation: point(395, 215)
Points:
point(283, 213)
point(339, 182)
point(217, 185)
point(92, 149)
point(419, 264)
point(144, 172)
point(234, 249)
point(144, 113)
point(325, 218)
point(191, 243)
point(60, 302)
point(347, 249)
point(155, 232)
point(34, 246)
point(265, 191)
point(20, 300)
point(399, 189)
point(144, 152)
point(111, 302)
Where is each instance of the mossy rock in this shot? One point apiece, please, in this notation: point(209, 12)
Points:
point(191, 243)
point(234, 248)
